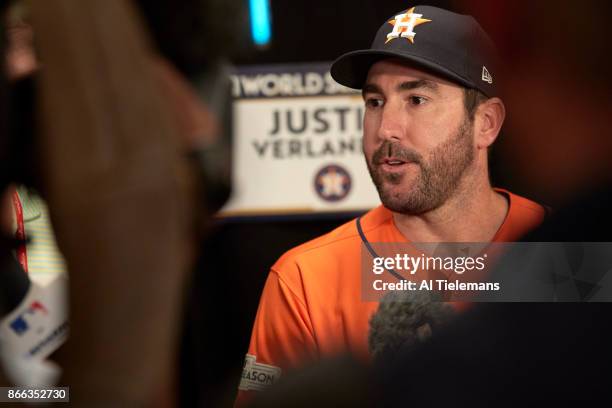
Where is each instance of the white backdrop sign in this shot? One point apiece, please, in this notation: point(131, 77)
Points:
point(297, 143)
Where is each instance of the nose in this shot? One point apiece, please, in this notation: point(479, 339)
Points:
point(392, 123)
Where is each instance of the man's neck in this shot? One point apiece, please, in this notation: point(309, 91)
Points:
point(474, 214)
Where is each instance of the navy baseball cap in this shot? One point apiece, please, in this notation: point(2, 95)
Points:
point(447, 44)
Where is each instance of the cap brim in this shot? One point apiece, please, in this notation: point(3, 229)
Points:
point(351, 69)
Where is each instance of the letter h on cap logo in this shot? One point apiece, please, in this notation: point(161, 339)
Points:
point(403, 25)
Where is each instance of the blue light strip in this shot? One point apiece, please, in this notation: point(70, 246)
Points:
point(260, 21)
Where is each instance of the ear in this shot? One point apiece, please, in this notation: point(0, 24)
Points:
point(488, 120)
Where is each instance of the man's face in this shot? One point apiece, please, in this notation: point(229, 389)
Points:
point(418, 140)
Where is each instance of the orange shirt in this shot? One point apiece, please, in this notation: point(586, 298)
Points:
point(312, 305)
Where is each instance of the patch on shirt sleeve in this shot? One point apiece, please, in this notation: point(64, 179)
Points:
point(257, 376)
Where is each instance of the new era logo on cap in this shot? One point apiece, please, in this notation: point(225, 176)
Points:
point(486, 76)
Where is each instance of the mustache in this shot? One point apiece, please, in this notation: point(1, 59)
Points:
point(395, 150)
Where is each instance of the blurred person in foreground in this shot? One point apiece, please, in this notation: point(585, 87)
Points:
point(184, 53)
point(110, 151)
point(432, 110)
point(119, 198)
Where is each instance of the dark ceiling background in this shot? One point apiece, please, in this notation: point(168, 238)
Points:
point(305, 30)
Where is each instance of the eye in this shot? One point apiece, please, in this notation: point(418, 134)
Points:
point(417, 100)
point(373, 102)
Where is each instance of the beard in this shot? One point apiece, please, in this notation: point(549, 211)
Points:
point(438, 176)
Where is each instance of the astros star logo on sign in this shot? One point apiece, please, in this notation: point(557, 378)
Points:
point(332, 183)
point(403, 25)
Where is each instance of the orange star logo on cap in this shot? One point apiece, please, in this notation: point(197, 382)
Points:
point(404, 24)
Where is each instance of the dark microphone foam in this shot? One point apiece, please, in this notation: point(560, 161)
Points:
point(404, 319)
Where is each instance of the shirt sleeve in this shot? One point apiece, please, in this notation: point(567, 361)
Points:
point(282, 337)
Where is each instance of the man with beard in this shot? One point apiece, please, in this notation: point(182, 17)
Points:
point(431, 113)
